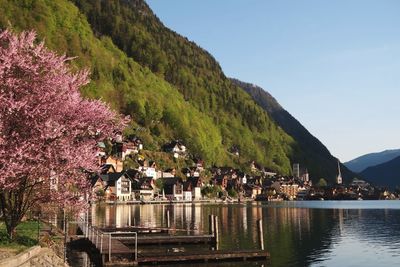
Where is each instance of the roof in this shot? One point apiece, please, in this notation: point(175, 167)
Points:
point(171, 181)
point(110, 178)
point(143, 183)
point(191, 182)
point(106, 168)
point(169, 184)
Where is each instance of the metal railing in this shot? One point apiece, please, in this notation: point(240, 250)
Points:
point(97, 237)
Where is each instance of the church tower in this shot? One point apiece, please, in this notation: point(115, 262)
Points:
point(339, 179)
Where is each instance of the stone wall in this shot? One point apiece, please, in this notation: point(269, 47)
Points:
point(34, 257)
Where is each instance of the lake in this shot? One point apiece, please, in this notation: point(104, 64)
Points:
point(298, 233)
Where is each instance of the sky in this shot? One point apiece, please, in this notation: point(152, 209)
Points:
point(334, 65)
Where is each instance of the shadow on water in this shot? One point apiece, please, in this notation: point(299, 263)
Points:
point(81, 253)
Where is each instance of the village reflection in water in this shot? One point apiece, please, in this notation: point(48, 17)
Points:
point(296, 234)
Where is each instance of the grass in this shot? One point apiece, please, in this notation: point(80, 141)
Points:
point(26, 236)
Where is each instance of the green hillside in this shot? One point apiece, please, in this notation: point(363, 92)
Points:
point(176, 91)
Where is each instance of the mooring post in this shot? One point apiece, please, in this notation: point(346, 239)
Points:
point(211, 224)
point(260, 233)
point(101, 243)
point(216, 230)
point(109, 249)
point(136, 248)
point(168, 223)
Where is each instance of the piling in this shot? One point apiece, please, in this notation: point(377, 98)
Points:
point(168, 224)
point(216, 230)
point(260, 233)
point(211, 224)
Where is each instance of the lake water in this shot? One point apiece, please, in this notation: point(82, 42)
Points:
point(309, 233)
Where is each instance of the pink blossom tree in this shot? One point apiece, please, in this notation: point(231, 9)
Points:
point(48, 132)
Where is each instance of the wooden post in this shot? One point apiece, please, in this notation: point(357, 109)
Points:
point(260, 233)
point(168, 223)
point(211, 224)
point(216, 230)
point(109, 249)
point(136, 248)
point(101, 243)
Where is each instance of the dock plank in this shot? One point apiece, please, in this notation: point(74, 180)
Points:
point(168, 239)
point(204, 256)
point(117, 247)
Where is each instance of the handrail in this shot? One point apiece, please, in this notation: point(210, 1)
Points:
point(93, 234)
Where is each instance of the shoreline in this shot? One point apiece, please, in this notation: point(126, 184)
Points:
point(141, 202)
point(220, 201)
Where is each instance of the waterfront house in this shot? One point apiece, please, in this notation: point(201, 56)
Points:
point(194, 184)
point(143, 188)
point(117, 186)
point(289, 189)
point(173, 188)
point(252, 190)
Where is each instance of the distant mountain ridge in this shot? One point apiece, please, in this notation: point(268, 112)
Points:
point(386, 174)
point(315, 156)
point(361, 163)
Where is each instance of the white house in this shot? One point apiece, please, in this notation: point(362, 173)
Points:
point(117, 186)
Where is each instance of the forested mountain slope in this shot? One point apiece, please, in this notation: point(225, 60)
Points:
point(172, 88)
point(194, 72)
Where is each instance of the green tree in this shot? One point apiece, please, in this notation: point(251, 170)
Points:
point(322, 183)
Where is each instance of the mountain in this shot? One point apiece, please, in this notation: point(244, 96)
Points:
point(361, 163)
point(386, 174)
point(171, 87)
point(313, 153)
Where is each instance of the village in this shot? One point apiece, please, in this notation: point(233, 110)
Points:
point(148, 183)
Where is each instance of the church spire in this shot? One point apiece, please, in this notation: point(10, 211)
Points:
point(339, 179)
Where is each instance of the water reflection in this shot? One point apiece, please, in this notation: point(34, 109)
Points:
point(296, 234)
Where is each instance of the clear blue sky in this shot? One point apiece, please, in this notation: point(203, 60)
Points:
point(334, 65)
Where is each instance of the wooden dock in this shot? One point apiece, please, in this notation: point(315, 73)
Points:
point(169, 239)
point(113, 245)
point(138, 229)
point(202, 256)
point(117, 247)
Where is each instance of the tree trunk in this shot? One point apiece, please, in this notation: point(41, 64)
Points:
point(12, 206)
point(11, 229)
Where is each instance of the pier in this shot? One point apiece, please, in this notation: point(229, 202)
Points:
point(119, 246)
